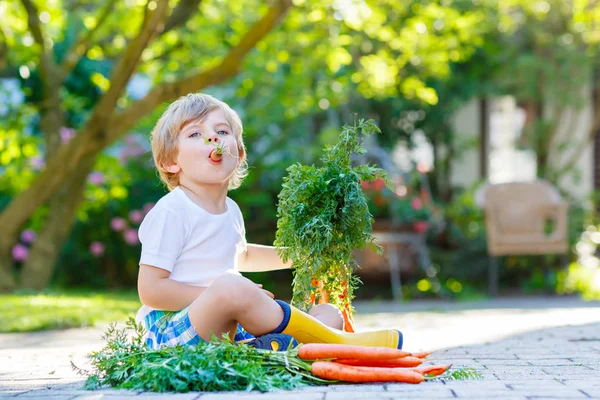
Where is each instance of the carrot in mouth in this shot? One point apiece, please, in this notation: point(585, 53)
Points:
point(215, 155)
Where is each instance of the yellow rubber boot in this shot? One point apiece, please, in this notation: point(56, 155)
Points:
point(307, 329)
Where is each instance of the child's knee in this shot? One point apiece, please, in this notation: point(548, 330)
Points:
point(233, 290)
point(328, 314)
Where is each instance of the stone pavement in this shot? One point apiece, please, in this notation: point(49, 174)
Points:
point(536, 348)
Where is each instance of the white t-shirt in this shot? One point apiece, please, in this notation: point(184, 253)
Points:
point(197, 247)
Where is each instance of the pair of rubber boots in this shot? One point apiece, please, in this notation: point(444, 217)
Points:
point(302, 327)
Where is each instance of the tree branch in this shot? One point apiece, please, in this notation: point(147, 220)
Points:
point(47, 65)
point(181, 14)
point(125, 67)
point(96, 134)
point(229, 66)
point(83, 43)
point(87, 143)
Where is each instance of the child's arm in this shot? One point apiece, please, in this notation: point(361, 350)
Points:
point(259, 258)
point(156, 290)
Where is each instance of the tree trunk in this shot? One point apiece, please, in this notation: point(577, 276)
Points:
point(7, 280)
point(40, 265)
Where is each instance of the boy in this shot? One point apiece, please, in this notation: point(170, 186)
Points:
point(193, 243)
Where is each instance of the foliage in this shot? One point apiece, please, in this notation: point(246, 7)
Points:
point(583, 275)
point(324, 216)
point(58, 309)
point(407, 209)
point(125, 362)
point(460, 374)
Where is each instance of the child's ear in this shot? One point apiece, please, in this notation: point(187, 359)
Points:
point(173, 168)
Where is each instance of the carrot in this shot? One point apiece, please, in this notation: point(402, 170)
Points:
point(348, 320)
point(434, 370)
point(348, 373)
point(316, 351)
point(389, 363)
point(421, 354)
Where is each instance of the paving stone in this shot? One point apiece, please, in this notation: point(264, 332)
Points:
point(424, 394)
point(476, 384)
point(263, 396)
point(484, 393)
point(359, 388)
point(590, 382)
point(593, 393)
point(405, 387)
point(560, 393)
point(357, 395)
point(491, 363)
point(536, 384)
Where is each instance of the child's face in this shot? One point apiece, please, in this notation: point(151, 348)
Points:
point(196, 142)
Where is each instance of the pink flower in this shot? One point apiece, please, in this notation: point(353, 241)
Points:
point(97, 249)
point(96, 178)
point(148, 207)
point(131, 237)
point(365, 185)
point(28, 236)
point(118, 224)
point(421, 226)
point(20, 252)
point(416, 203)
point(136, 216)
point(37, 163)
point(422, 167)
point(66, 134)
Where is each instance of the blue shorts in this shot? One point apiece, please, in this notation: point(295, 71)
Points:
point(172, 328)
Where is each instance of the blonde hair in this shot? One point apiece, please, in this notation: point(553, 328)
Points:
point(192, 107)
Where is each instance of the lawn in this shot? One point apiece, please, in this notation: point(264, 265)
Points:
point(59, 309)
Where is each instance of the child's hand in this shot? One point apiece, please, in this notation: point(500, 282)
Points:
point(271, 295)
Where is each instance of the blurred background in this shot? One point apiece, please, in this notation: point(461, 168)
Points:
point(489, 112)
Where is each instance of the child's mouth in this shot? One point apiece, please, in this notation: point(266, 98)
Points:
point(215, 156)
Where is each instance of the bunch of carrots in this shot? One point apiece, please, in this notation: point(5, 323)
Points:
point(348, 363)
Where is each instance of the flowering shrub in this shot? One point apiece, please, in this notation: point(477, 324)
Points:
point(402, 204)
point(583, 275)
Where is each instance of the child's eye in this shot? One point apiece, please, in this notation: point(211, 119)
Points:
point(195, 134)
point(223, 132)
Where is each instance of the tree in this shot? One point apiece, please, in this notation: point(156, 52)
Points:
point(152, 28)
point(322, 54)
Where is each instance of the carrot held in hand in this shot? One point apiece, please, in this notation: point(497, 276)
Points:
point(320, 351)
point(434, 370)
point(348, 320)
point(402, 362)
point(348, 373)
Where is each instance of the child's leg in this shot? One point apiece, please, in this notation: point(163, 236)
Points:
point(328, 314)
point(233, 298)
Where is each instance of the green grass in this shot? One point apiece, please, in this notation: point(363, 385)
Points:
point(60, 309)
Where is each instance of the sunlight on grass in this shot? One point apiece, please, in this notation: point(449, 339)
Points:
point(23, 312)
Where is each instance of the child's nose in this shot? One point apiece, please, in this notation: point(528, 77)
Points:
point(214, 139)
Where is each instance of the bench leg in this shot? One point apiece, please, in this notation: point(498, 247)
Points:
point(493, 276)
point(394, 262)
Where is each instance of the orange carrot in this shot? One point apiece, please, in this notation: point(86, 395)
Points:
point(348, 373)
point(434, 370)
point(348, 320)
point(421, 354)
point(320, 351)
point(388, 363)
